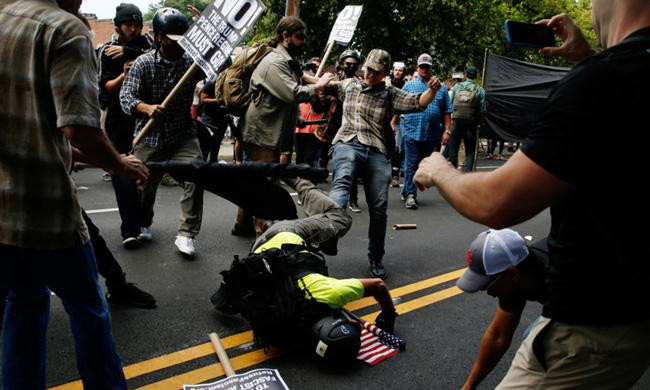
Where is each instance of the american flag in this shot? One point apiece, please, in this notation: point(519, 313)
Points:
point(377, 345)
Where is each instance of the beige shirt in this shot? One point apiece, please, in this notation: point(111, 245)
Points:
point(270, 119)
point(48, 73)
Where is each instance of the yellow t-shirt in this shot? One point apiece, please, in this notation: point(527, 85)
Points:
point(334, 292)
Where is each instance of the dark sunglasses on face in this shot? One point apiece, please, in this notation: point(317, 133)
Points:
point(350, 64)
point(301, 36)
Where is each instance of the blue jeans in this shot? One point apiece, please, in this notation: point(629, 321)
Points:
point(415, 151)
point(72, 275)
point(351, 160)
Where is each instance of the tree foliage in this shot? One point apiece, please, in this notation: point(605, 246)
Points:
point(455, 32)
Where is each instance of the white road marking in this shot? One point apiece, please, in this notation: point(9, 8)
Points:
point(101, 211)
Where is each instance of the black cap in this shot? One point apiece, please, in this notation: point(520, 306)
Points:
point(126, 12)
point(471, 72)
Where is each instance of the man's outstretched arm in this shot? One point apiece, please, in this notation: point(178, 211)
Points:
point(511, 194)
point(494, 345)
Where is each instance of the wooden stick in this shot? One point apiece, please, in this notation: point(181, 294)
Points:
point(322, 63)
point(405, 226)
point(221, 353)
point(188, 74)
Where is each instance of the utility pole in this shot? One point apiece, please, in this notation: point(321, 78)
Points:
point(292, 8)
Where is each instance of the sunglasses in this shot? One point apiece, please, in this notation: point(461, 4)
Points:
point(301, 36)
point(350, 64)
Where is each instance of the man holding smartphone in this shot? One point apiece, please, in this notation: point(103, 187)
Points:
point(594, 330)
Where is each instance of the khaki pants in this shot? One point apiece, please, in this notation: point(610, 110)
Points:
point(580, 357)
point(245, 219)
point(192, 198)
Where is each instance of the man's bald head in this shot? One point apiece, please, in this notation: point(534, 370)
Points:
point(615, 20)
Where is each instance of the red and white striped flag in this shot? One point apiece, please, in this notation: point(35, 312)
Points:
point(373, 348)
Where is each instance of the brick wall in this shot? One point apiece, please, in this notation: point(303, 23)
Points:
point(103, 29)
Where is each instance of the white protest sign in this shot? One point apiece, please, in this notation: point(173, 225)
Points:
point(260, 379)
point(345, 24)
point(221, 26)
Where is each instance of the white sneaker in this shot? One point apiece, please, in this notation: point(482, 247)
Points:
point(185, 245)
point(145, 234)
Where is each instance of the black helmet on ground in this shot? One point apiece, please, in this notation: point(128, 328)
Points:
point(336, 339)
point(170, 22)
point(350, 53)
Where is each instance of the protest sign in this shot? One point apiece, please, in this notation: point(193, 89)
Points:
point(345, 24)
point(218, 30)
point(342, 32)
point(260, 379)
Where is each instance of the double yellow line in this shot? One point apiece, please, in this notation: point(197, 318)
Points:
point(255, 357)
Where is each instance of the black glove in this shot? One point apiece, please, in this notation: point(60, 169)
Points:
point(386, 321)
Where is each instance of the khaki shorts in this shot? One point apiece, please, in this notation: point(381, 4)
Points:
point(556, 355)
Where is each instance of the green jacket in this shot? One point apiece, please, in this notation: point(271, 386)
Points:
point(270, 119)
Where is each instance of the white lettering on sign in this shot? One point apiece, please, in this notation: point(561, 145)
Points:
point(346, 23)
point(220, 28)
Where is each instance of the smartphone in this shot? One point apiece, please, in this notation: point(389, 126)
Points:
point(529, 34)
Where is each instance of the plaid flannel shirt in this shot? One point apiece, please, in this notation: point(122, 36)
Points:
point(48, 71)
point(149, 81)
point(365, 110)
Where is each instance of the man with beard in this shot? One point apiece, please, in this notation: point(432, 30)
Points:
point(173, 136)
point(116, 59)
point(268, 126)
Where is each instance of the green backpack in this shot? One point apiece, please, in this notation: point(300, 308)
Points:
point(232, 87)
point(465, 103)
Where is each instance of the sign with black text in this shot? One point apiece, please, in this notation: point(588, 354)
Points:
point(219, 29)
point(260, 379)
point(345, 24)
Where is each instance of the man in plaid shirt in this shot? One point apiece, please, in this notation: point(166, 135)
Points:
point(360, 147)
point(173, 137)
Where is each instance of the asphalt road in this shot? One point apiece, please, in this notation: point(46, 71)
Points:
point(166, 347)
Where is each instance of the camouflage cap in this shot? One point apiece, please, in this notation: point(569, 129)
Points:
point(378, 60)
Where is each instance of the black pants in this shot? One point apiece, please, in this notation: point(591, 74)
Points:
point(306, 146)
point(107, 265)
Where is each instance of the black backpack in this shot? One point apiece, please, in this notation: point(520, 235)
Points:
point(264, 289)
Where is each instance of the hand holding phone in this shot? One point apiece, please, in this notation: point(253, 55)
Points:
point(529, 35)
point(575, 46)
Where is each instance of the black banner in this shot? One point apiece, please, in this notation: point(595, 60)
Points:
point(515, 92)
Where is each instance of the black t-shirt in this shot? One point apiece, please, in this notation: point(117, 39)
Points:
point(593, 134)
point(111, 68)
point(538, 254)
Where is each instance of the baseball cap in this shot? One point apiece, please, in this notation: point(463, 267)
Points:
point(471, 71)
point(457, 75)
point(491, 252)
point(425, 59)
point(399, 65)
point(378, 60)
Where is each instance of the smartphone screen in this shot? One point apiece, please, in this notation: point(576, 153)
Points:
point(529, 34)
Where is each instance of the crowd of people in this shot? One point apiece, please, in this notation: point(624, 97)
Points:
point(378, 124)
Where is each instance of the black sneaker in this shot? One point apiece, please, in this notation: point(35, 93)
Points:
point(377, 269)
point(131, 243)
point(237, 230)
point(128, 294)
